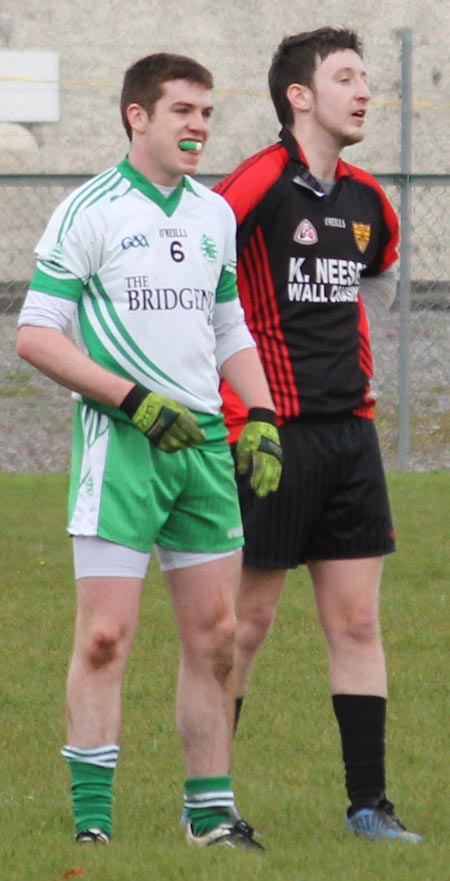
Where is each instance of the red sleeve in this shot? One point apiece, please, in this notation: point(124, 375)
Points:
point(392, 231)
point(390, 253)
point(245, 187)
point(234, 411)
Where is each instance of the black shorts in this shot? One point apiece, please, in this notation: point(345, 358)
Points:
point(332, 502)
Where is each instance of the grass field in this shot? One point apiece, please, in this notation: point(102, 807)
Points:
point(287, 771)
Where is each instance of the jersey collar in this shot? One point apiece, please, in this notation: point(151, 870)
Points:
point(301, 173)
point(170, 203)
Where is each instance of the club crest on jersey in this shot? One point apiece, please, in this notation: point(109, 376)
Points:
point(305, 234)
point(361, 231)
point(209, 248)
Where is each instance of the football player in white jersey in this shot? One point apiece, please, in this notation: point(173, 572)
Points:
point(140, 262)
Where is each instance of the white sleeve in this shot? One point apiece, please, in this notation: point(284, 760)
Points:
point(232, 333)
point(74, 247)
point(378, 293)
point(44, 310)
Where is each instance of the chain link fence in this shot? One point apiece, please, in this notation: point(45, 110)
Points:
point(411, 344)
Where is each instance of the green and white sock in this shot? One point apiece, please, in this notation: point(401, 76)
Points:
point(92, 772)
point(208, 802)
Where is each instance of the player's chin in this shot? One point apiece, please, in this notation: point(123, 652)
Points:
point(190, 164)
point(352, 137)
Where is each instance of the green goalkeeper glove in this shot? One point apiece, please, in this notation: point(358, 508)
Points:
point(168, 425)
point(259, 448)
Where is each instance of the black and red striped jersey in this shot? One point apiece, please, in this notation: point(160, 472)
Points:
point(301, 256)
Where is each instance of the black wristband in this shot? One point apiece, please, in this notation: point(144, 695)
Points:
point(132, 400)
point(262, 414)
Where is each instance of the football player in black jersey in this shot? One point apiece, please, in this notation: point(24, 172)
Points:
point(317, 240)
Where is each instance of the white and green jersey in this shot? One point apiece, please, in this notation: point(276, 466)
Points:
point(148, 281)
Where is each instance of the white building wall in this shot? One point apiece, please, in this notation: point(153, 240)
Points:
point(97, 40)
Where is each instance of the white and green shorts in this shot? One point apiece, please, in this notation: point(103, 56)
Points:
point(124, 490)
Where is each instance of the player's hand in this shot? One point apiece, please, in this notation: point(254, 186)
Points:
point(259, 448)
point(169, 426)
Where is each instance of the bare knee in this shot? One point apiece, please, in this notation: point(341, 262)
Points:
point(359, 625)
point(211, 646)
point(220, 636)
point(253, 626)
point(222, 647)
point(103, 648)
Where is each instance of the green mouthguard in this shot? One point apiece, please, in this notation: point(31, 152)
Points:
point(194, 146)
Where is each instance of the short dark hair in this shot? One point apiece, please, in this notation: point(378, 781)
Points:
point(143, 81)
point(295, 61)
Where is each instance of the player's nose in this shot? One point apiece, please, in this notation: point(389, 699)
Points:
point(199, 123)
point(363, 90)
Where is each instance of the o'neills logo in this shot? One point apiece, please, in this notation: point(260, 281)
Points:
point(361, 231)
point(305, 234)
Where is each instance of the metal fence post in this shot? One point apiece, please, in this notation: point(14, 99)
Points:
point(404, 379)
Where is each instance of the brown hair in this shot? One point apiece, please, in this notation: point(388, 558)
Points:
point(295, 61)
point(143, 81)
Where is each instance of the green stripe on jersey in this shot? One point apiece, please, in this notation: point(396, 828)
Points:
point(227, 287)
point(110, 343)
point(59, 285)
point(93, 191)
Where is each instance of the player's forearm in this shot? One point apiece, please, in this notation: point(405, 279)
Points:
point(378, 293)
point(244, 372)
point(59, 358)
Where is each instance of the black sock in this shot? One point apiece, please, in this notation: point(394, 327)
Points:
point(237, 711)
point(362, 720)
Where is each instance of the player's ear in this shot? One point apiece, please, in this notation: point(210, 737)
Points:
point(299, 97)
point(137, 117)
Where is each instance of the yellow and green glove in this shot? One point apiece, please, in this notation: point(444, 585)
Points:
point(169, 426)
point(259, 448)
